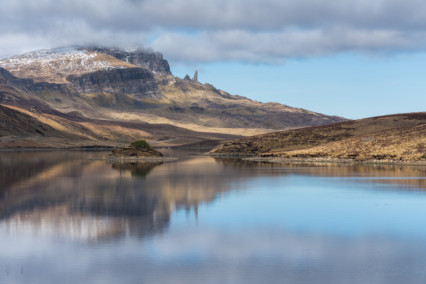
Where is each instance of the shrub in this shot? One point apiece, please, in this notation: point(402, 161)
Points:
point(141, 144)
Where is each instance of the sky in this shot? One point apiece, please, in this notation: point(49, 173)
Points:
point(352, 58)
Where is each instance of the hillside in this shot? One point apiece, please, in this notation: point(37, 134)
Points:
point(20, 130)
point(15, 123)
point(29, 129)
point(392, 137)
point(73, 89)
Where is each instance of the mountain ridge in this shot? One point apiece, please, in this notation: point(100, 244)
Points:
point(97, 84)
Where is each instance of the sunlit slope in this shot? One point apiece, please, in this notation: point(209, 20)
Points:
point(392, 137)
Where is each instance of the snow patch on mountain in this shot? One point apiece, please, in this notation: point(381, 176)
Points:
point(54, 65)
point(64, 60)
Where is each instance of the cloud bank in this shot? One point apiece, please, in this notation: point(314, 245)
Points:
point(203, 31)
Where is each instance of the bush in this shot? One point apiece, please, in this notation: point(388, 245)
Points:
point(141, 144)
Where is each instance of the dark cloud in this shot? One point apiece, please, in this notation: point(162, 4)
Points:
point(248, 30)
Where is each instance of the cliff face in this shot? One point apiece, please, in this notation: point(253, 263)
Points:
point(55, 65)
point(153, 61)
point(136, 81)
point(27, 94)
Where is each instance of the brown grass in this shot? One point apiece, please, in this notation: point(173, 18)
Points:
point(394, 137)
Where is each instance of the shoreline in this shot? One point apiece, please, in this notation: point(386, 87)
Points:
point(49, 149)
point(139, 159)
point(335, 161)
point(282, 160)
point(253, 158)
point(97, 148)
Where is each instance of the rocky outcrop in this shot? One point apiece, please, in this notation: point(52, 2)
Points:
point(150, 60)
point(130, 152)
point(195, 78)
point(137, 81)
point(8, 79)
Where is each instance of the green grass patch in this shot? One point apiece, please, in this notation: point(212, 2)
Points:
point(141, 144)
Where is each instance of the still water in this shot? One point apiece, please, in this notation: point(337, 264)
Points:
point(70, 217)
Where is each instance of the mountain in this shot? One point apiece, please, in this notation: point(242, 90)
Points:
point(112, 91)
point(391, 137)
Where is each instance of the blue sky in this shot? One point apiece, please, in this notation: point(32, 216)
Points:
point(349, 85)
point(353, 58)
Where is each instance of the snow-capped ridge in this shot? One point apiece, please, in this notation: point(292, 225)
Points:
point(56, 64)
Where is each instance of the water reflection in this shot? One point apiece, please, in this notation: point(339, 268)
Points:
point(77, 195)
point(138, 169)
point(72, 217)
point(413, 177)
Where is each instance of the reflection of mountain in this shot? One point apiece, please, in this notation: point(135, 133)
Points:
point(375, 173)
point(76, 195)
point(138, 169)
point(409, 176)
point(14, 170)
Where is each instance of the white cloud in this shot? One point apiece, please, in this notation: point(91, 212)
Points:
point(196, 30)
point(274, 46)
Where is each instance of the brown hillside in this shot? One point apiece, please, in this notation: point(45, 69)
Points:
point(391, 137)
point(17, 124)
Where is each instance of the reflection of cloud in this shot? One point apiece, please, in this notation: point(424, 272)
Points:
point(232, 246)
point(209, 256)
point(89, 200)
